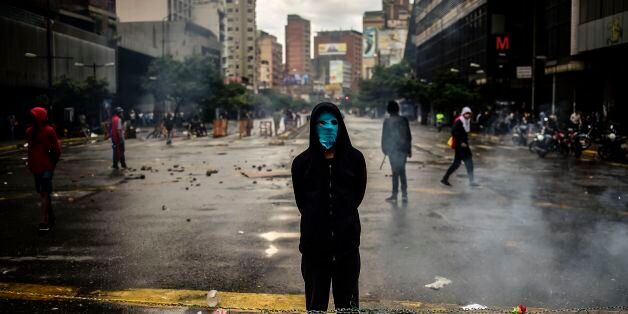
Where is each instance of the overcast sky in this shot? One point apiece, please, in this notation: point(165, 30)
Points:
point(272, 15)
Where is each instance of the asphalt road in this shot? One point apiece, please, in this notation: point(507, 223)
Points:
point(542, 232)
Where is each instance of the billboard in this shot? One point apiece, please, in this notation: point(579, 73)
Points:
point(336, 71)
point(369, 42)
point(391, 45)
point(332, 49)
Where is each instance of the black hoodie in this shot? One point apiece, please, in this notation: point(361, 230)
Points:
point(328, 192)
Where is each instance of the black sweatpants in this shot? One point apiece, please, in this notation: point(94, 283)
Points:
point(342, 274)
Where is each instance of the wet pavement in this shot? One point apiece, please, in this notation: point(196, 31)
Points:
point(220, 214)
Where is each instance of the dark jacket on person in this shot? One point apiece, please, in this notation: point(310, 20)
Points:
point(43, 145)
point(460, 136)
point(396, 136)
point(329, 191)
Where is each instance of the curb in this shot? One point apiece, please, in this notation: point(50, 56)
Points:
point(232, 301)
point(67, 141)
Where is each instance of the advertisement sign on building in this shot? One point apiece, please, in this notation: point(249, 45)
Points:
point(336, 71)
point(332, 49)
point(524, 72)
point(391, 45)
point(369, 42)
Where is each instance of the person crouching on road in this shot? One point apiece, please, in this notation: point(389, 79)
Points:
point(44, 152)
point(396, 144)
point(459, 132)
point(329, 180)
point(117, 138)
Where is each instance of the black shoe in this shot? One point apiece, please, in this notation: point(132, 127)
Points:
point(445, 182)
point(404, 198)
point(123, 165)
point(115, 167)
point(392, 199)
point(473, 184)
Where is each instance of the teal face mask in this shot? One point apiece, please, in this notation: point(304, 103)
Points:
point(327, 130)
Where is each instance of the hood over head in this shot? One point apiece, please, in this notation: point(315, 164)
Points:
point(342, 140)
point(40, 114)
point(465, 110)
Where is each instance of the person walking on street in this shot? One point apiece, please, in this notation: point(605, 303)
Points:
point(396, 144)
point(169, 125)
point(329, 181)
point(459, 132)
point(440, 121)
point(117, 138)
point(276, 121)
point(44, 152)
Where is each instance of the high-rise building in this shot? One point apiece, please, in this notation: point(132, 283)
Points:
point(239, 60)
point(270, 61)
point(211, 15)
point(396, 13)
point(298, 43)
point(338, 56)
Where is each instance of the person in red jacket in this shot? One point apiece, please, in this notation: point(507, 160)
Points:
point(43, 154)
point(117, 138)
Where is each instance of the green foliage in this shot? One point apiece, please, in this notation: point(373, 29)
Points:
point(195, 80)
point(447, 91)
point(84, 96)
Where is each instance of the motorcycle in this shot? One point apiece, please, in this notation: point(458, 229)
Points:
point(545, 142)
point(569, 143)
point(613, 147)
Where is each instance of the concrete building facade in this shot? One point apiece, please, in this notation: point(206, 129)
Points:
point(270, 61)
point(240, 53)
point(82, 32)
point(154, 10)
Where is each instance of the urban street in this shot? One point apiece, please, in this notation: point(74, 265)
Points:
point(205, 214)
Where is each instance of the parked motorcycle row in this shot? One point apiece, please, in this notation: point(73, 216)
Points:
point(549, 139)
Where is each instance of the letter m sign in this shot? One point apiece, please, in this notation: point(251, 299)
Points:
point(502, 42)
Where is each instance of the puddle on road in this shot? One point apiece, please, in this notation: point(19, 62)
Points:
point(274, 235)
point(271, 250)
point(284, 217)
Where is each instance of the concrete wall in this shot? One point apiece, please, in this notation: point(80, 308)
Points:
point(182, 39)
point(141, 10)
point(19, 38)
point(609, 31)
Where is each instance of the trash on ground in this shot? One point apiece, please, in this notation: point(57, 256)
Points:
point(209, 172)
point(439, 283)
point(240, 232)
point(472, 307)
point(520, 309)
point(164, 207)
point(212, 298)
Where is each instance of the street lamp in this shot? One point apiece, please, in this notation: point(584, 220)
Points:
point(36, 56)
point(94, 66)
point(474, 65)
point(454, 70)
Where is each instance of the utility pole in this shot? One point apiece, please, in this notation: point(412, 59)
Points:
point(49, 52)
point(532, 102)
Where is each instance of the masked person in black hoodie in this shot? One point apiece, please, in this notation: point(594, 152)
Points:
point(329, 181)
